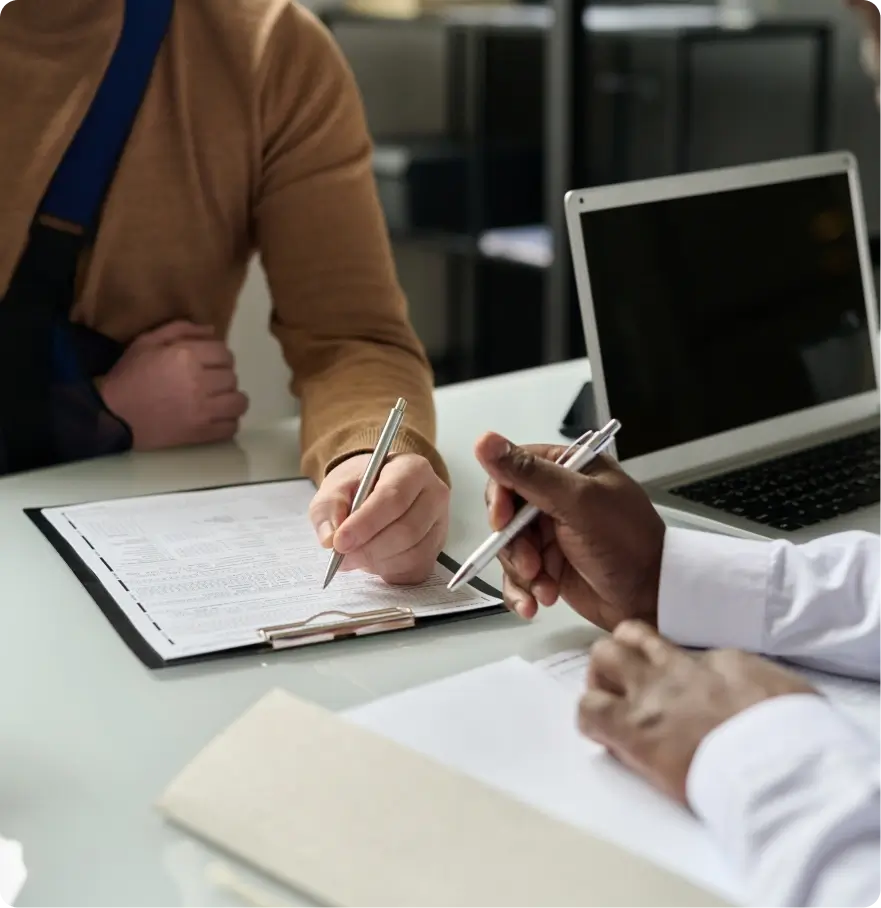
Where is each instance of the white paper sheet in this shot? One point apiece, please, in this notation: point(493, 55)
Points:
point(860, 700)
point(197, 572)
point(513, 726)
point(12, 871)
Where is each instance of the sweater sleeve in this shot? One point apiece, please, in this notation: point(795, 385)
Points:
point(338, 310)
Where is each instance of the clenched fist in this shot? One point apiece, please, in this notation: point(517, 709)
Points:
point(175, 386)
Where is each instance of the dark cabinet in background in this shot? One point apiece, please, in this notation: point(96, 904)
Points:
point(653, 101)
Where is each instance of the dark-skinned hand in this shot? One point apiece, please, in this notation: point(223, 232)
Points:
point(650, 703)
point(597, 545)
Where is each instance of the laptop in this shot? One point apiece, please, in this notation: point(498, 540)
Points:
point(732, 328)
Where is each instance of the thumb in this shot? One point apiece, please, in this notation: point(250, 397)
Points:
point(173, 332)
point(531, 474)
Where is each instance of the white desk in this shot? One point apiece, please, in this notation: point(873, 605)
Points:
point(89, 737)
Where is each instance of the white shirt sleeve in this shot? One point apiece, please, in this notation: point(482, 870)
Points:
point(818, 604)
point(790, 790)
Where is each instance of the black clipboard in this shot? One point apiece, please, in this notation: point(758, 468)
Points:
point(287, 637)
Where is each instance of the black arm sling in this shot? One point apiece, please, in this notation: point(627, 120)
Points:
point(50, 411)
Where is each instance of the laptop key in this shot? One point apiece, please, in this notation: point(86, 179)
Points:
point(800, 489)
point(789, 525)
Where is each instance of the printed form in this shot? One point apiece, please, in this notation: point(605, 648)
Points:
point(198, 572)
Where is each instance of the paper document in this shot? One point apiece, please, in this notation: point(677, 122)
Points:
point(198, 572)
point(12, 871)
point(513, 727)
point(349, 817)
point(860, 700)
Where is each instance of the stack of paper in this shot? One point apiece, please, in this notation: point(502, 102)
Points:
point(477, 789)
point(12, 871)
point(513, 727)
point(353, 818)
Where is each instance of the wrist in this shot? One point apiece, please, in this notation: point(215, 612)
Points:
point(106, 391)
point(645, 607)
point(105, 388)
point(342, 459)
point(648, 591)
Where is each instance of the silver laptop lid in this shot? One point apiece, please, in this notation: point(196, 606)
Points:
point(726, 311)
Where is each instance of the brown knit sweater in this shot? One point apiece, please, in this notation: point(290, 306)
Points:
point(251, 138)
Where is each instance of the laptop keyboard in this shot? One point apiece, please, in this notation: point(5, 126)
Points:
point(797, 490)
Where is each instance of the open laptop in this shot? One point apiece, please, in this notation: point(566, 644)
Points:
point(732, 328)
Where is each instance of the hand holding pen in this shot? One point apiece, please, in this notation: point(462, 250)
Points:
point(371, 474)
point(597, 543)
point(400, 523)
point(574, 459)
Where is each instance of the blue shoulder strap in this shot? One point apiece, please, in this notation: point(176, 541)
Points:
point(80, 184)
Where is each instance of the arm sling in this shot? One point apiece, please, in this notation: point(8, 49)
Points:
point(50, 410)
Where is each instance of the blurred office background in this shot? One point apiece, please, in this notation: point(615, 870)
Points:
point(483, 115)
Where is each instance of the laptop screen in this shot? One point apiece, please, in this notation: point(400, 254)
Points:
point(721, 310)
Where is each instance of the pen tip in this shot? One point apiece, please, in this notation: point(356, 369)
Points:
point(459, 578)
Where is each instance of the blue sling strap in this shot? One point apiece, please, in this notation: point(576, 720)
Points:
point(50, 411)
point(80, 184)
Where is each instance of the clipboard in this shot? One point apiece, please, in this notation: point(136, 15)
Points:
point(322, 627)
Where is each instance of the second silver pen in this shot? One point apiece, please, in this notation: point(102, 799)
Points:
point(593, 446)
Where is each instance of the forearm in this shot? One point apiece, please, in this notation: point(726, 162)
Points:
point(338, 308)
point(346, 391)
point(790, 790)
point(817, 604)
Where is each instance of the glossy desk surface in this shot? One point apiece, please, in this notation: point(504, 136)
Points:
point(89, 737)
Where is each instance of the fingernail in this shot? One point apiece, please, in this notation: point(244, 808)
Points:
point(325, 533)
point(498, 447)
point(520, 608)
point(344, 541)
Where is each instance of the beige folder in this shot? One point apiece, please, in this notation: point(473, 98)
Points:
point(351, 818)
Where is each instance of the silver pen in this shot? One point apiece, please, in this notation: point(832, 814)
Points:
point(371, 474)
point(576, 457)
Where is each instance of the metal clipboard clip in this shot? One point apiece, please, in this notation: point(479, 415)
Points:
point(352, 624)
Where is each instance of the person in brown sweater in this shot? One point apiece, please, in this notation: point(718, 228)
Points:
point(251, 138)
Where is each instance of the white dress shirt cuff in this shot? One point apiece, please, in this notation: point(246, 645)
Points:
point(754, 747)
point(713, 590)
